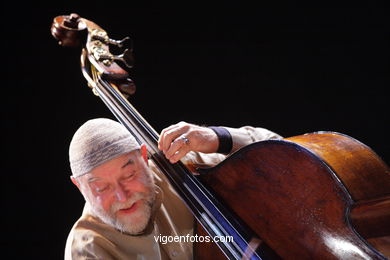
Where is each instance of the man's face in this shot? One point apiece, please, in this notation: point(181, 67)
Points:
point(121, 192)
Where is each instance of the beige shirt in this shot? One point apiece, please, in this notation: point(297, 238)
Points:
point(90, 238)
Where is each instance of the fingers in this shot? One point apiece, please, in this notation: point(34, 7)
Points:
point(179, 148)
point(177, 140)
point(170, 134)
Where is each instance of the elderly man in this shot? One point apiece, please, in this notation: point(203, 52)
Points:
point(128, 202)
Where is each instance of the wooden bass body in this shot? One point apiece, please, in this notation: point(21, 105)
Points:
point(314, 196)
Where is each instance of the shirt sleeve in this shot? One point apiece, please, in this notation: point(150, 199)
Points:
point(247, 134)
point(240, 136)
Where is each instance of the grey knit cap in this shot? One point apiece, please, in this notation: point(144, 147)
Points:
point(97, 141)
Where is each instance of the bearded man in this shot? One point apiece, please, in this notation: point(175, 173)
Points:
point(129, 203)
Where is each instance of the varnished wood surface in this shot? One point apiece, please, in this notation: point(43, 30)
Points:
point(359, 168)
point(292, 196)
point(372, 218)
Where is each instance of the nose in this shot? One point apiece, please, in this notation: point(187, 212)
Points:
point(120, 194)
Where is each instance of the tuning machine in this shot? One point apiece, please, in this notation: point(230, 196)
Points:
point(126, 58)
point(102, 36)
point(119, 50)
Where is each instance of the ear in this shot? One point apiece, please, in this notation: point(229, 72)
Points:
point(75, 182)
point(144, 153)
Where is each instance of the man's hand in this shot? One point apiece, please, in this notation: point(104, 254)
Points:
point(177, 140)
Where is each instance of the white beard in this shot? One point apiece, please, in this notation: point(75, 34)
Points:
point(134, 223)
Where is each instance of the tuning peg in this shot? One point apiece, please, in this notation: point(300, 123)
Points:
point(126, 58)
point(102, 36)
point(120, 43)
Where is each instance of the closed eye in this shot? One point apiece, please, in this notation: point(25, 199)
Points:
point(129, 162)
point(102, 189)
point(129, 176)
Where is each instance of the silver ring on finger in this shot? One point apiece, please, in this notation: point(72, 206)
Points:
point(186, 140)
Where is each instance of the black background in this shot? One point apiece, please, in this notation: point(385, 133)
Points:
point(292, 68)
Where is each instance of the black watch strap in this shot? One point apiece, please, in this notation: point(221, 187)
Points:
point(225, 139)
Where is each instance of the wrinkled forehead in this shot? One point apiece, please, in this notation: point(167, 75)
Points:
point(114, 167)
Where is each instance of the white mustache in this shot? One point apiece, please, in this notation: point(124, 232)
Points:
point(125, 205)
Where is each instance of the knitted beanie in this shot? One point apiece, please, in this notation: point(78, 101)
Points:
point(98, 141)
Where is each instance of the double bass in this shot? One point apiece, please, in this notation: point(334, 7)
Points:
point(321, 195)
